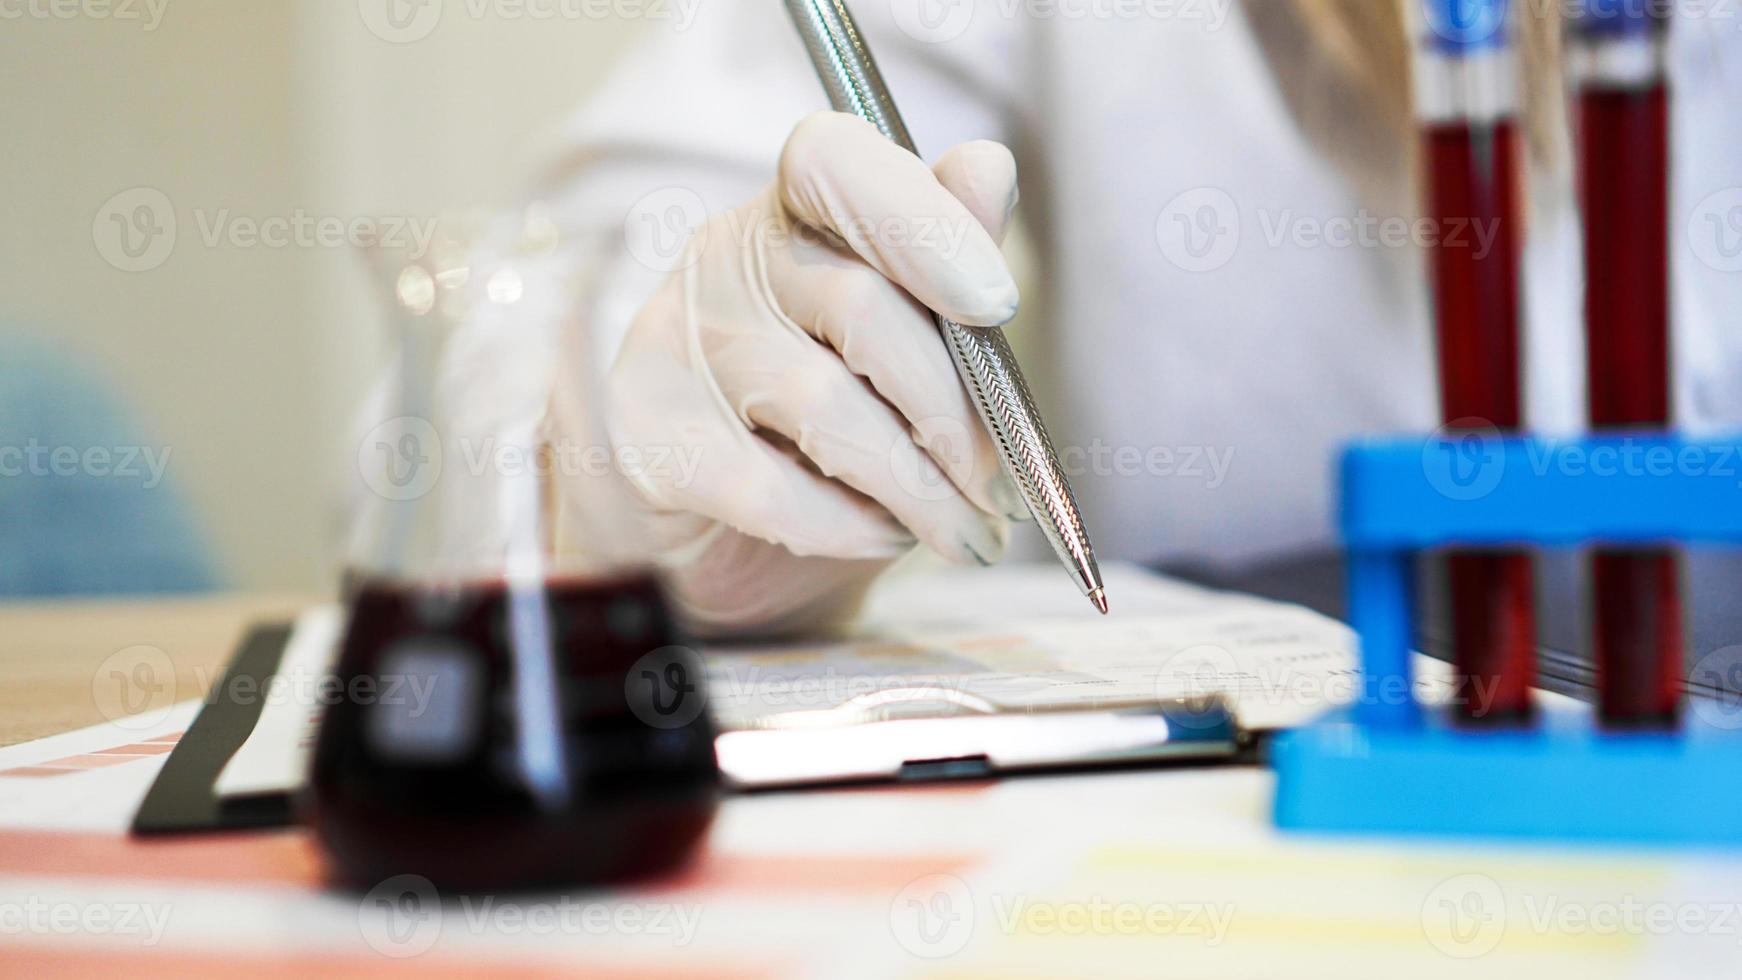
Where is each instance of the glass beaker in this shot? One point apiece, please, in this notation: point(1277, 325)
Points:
point(505, 716)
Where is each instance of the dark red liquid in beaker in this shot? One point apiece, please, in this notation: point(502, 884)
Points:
point(491, 737)
point(1472, 199)
point(1624, 185)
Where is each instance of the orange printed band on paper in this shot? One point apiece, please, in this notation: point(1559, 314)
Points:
point(99, 759)
point(64, 963)
point(290, 858)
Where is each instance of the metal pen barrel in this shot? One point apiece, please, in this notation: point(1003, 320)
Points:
point(982, 354)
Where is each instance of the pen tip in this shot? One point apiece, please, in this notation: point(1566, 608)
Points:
point(1099, 598)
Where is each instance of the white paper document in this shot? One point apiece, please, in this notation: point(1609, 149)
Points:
point(1010, 638)
point(275, 756)
point(1020, 637)
point(90, 778)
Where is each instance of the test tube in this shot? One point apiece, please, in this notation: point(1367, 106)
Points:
point(1467, 102)
point(1617, 53)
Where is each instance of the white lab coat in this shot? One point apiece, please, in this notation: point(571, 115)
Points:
point(1199, 385)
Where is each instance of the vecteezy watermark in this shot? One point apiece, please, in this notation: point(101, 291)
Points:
point(1471, 22)
point(933, 916)
point(1465, 21)
point(670, 229)
point(1098, 916)
point(1715, 688)
point(670, 687)
point(937, 915)
point(401, 917)
point(1715, 230)
point(403, 459)
point(1201, 674)
point(405, 916)
point(1468, 916)
point(933, 21)
point(1364, 229)
point(137, 230)
point(666, 229)
point(400, 21)
point(1467, 459)
point(145, 464)
point(667, 688)
point(146, 13)
point(1209, 465)
point(948, 445)
point(300, 229)
point(1464, 916)
point(1613, 11)
point(826, 687)
point(1630, 457)
point(413, 689)
point(1201, 229)
point(1464, 459)
point(142, 921)
point(1306, 673)
point(135, 687)
point(940, 21)
point(408, 21)
point(675, 465)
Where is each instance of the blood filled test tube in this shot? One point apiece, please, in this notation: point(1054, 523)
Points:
point(1466, 102)
point(1617, 52)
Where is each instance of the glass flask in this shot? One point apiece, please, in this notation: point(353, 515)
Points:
point(510, 714)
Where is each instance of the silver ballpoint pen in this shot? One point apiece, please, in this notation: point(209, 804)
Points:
point(982, 355)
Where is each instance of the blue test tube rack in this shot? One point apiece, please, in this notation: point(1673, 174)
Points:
point(1389, 766)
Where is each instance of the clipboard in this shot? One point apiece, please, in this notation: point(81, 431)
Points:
point(183, 799)
point(894, 742)
point(1055, 690)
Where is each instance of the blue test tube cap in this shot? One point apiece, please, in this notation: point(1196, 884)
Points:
point(1462, 27)
point(1619, 18)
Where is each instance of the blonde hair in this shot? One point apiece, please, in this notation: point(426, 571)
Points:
point(1344, 66)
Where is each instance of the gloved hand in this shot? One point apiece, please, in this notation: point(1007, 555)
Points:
point(794, 353)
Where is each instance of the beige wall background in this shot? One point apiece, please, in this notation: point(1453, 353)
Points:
point(245, 360)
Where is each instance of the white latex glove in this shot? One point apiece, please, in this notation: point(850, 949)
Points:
point(794, 354)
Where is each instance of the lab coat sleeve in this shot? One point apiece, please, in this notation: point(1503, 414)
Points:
point(1706, 224)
